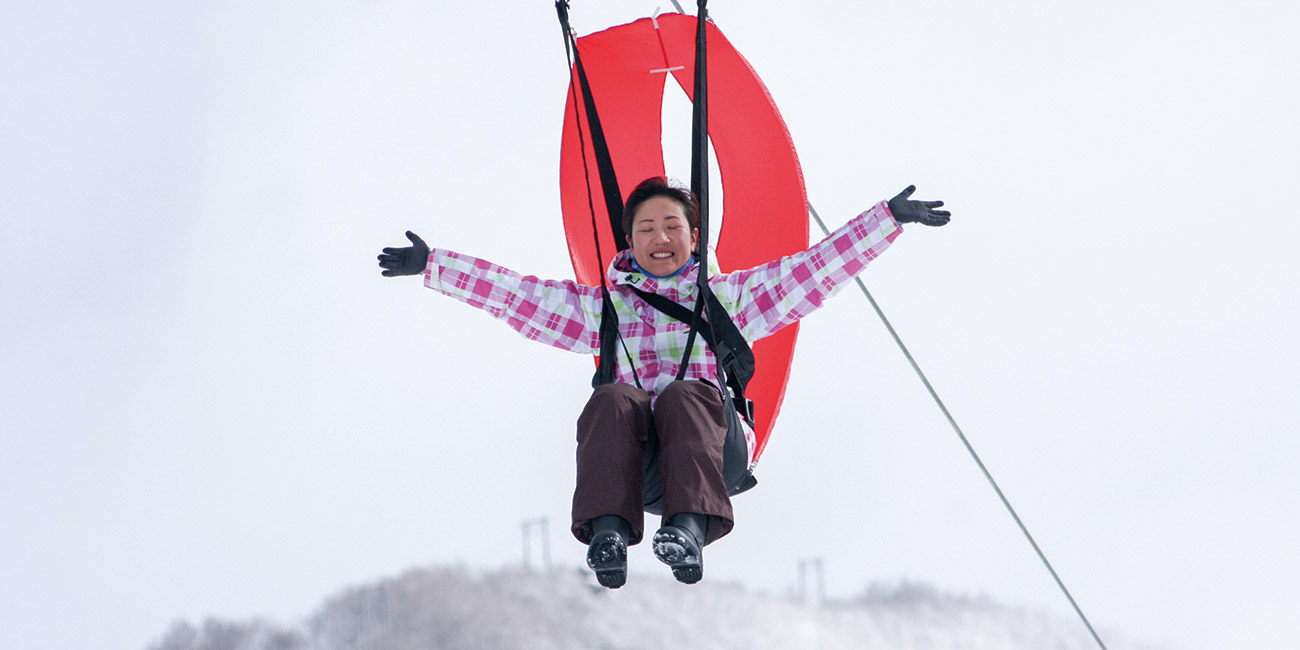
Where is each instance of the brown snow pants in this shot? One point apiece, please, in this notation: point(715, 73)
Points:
point(684, 432)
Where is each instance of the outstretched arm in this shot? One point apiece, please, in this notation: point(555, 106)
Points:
point(766, 298)
point(561, 314)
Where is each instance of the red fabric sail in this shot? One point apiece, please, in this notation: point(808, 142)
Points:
point(765, 205)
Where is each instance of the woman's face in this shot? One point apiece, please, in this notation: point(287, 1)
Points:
point(661, 240)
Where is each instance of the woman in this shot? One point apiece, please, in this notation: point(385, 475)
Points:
point(648, 427)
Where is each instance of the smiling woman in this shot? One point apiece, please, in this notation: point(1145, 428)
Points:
point(661, 437)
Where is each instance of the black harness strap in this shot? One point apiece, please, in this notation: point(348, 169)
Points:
point(728, 344)
point(609, 335)
point(700, 172)
point(675, 309)
point(599, 147)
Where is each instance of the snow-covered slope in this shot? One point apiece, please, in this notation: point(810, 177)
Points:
point(454, 608)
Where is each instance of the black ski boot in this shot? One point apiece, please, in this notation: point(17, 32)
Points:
point(607, 554)
point(677, 544)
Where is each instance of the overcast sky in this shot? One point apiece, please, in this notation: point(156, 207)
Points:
point(211, 404)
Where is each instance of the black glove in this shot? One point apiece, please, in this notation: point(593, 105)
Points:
point(410, 260)
point(922, 212)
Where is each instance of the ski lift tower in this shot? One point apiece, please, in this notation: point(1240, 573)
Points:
point(542, 527)
point(817, 568)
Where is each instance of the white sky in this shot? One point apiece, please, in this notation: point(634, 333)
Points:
point(211, 404)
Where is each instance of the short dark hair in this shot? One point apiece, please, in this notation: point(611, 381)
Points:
point(660, 186)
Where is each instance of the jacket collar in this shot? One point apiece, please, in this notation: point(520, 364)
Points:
point(622, 273)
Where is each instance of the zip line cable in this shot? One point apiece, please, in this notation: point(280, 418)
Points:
point(965, 441)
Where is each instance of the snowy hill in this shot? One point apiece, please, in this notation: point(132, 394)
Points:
point(458, 609)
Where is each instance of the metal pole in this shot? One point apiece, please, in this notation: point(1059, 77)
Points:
point(526, 525)
point(803, 592)
point(821, 583)
point(546, 545)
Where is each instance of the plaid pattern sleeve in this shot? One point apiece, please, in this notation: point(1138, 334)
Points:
point(766, 298)
point(562, 314)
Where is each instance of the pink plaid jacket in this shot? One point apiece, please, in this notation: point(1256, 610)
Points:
point(761, 300)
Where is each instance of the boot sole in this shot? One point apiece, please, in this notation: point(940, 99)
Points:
point(607, 557)
point(674, 547)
